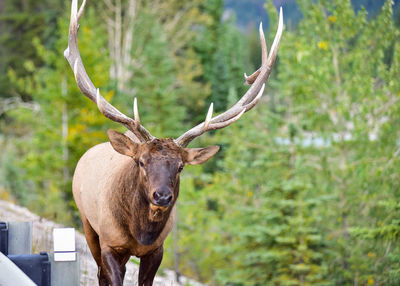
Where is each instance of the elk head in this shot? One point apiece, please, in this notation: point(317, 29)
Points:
point(158, 164)
point(161, 160)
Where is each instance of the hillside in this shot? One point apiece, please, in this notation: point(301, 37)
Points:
point(250, 12)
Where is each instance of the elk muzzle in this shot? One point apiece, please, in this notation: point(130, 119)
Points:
point(162, 196)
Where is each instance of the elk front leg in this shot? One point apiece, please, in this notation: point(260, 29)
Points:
point(92, 239)
point(113, 265)
point(149, 265)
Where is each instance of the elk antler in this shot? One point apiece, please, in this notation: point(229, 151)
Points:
point(87, 87)
point(249, 99)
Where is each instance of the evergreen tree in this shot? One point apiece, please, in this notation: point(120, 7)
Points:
point(21, 22)
point(221, 48)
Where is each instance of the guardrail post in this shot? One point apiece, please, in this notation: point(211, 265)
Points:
point(19, 238)
point(65, 273)
point(65, 269)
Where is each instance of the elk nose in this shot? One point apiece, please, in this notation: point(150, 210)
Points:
point(162, 196)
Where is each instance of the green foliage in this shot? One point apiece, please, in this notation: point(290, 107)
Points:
point(165, 72)
point(48, 154)
point(155, 77)
point(346, 70)
point(20, 22)
point(273, 235)
point(303, 190)
point(221, 50)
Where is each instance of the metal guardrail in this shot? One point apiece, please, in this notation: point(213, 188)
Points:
point(11, 275)
point(64, 272)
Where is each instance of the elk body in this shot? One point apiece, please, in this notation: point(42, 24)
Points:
point(126, 189)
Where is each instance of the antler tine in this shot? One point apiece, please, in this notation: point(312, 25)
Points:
point(86, 86)
point(264, 49)
point(208, 117)
point(80, 12)
point(256, 99)
point(277, 39)
point(264, 56)
point(223, 124)
point(136, 112)
point(249, 79)
point(250, 98)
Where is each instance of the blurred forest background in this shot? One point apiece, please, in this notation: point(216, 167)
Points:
point(306, 187)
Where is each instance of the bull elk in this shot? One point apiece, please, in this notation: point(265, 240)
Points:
point(126, 189)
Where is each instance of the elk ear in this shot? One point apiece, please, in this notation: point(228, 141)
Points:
point(197, 156)
point(122, 144)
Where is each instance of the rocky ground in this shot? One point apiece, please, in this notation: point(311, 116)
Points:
point(42, 241)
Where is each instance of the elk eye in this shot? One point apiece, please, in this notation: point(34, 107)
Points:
point(180, 168)
point(141, 163)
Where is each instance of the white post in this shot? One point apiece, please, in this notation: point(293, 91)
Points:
point(64, 261)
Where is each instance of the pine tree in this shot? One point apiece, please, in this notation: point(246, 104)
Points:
point(20, 23)
point(221, 48)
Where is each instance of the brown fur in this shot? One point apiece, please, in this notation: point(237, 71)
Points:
point(114, 195)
